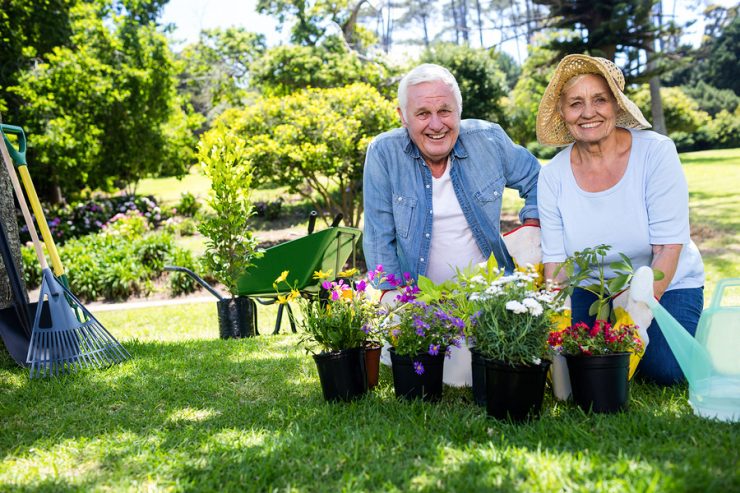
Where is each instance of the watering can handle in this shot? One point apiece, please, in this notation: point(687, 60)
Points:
point(17, 155)
point(719, 291)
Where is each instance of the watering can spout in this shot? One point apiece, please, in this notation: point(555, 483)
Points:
point(692, 357)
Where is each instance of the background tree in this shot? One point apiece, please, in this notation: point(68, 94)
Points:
point(286, 69)
point(313, 141)
point(104, 110)
point(215, 71)
point(482, 83)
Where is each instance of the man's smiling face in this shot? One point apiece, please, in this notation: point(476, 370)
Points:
point(432, 119)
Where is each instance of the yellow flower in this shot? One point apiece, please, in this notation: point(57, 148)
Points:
point(282, 277)
point(349, 272)
point(294, 293)
point(321, 275)
point(282, 299)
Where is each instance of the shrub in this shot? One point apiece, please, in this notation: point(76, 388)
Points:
point(188, 205)
point(178, 282)
point(269, 210)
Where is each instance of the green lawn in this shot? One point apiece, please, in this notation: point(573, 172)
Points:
point(191, 412)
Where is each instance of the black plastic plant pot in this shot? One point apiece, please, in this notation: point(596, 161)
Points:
point(342, 374)
point(478, 364)
point(237, 317)
point(600, 383)
point(515, 392)
point(410, 384)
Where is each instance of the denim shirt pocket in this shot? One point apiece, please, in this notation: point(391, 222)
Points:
point(491, 192)
point(403, 213)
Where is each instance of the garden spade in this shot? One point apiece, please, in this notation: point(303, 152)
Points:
point(59, 341)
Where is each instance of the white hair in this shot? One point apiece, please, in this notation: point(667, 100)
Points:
point(427, 72)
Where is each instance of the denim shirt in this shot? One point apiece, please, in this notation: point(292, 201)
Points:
point(397, 191)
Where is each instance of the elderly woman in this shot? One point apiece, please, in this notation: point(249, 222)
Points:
point(620, 185)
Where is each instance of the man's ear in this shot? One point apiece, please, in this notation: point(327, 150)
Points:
point(400, 114)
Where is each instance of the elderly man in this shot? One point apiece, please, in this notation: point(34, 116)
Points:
point(433, 189)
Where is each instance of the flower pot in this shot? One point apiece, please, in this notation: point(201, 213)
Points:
point(342, 374)
point(409, 384)
point(478, 365)
point(515, 392)
point(372, 364)
point(600, 383)
point(237, 317)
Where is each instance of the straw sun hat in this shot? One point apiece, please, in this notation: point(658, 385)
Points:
point(551, 128)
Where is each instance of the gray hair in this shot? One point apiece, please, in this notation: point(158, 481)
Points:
point(427, 72)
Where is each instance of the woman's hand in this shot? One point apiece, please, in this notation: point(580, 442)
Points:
point(665, 259)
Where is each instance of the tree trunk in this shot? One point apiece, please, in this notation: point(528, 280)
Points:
point(656, 104)
point(8, 218)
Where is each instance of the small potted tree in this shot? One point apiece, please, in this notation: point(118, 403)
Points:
point(230, 244)
point(511, 331)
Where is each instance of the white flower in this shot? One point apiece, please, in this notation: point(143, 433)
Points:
point(536, 361)
point(516, 307)
point(477, 279)
point(533, 306)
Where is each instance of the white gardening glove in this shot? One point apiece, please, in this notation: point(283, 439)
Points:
point(524, 245)
point(639, 312)
point(627, 311)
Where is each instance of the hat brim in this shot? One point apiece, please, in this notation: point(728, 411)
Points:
point(551, 129)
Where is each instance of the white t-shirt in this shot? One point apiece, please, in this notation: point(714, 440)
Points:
point(648, 206)
point(452, 245)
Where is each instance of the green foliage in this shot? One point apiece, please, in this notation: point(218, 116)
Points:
point(515, 317)
point(31, 275)
point(524, 102)
point(289, 68)
point(481, 80)
point(313, 141)
point(711, 99)
point(682, 114)
point(102, 110)
point(230, 245)
point(215, 71)
point(178, 282)
point(586, 269)
point(188, 205)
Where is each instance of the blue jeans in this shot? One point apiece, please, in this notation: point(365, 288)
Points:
point(658, 365)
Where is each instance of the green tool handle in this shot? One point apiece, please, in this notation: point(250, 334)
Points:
point(22, 201)
point(18, 155)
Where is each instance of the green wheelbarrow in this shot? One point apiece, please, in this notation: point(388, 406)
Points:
point(329, 249)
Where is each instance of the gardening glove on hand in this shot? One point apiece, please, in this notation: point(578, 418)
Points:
point(631, 312)
point(524, 246)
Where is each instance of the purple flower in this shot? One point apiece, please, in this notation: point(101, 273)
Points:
point(407, 276)
point(433, 349)
point(418, 368)
point(326, 285)
point(361, 285)
point(335, 295)
point(448, 352)
point(366, 328)
point(393, 281)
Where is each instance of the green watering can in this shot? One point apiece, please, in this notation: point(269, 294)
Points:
point(711, 361)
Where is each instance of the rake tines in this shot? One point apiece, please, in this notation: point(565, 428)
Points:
point(68, 344)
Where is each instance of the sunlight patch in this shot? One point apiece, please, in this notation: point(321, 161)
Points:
point(191, 414)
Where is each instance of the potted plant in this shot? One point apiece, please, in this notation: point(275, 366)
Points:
point(230, 244)
point(335, 330)
point(420, 335)
point(586, 269)
point(513, 323)
point(598, 360)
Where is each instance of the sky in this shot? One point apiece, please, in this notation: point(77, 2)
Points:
point(190, 16)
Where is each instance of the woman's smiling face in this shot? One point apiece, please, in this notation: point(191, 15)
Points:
point(588, 108)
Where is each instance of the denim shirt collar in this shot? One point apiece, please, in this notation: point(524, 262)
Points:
point(410, 148)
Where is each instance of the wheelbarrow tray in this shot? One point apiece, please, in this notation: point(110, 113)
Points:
point(323, 250)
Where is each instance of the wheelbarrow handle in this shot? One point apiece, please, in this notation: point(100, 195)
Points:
point(17, 155)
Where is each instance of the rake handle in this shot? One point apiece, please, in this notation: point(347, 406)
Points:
point(22, 203)
point(51, 247)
